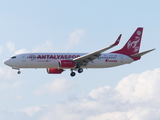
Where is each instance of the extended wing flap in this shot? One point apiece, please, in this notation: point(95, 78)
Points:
point(91, 56)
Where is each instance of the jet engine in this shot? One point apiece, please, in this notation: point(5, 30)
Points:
point(54, 71)
point(66, 63)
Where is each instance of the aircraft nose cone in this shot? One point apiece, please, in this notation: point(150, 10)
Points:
point(7, 62)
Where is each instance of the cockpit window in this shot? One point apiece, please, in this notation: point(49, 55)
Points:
point(13, 57)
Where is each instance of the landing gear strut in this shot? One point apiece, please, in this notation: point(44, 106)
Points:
point(17, 68)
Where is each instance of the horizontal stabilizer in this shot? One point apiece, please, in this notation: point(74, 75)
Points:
point(142, 53)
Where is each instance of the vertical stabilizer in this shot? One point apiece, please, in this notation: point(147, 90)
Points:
point(133, 44)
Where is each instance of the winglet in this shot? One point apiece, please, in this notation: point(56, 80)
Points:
point(97, 53)
point(117, 41)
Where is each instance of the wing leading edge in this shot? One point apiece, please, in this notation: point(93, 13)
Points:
point(83, 60)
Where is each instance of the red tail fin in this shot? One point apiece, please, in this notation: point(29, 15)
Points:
point(133, 44)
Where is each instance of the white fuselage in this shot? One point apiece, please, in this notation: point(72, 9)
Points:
point(55, 63)
point(50, 60)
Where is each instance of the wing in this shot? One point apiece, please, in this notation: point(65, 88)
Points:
point(83, 60)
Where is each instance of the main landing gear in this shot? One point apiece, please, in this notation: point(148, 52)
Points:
point(80, 70)
point(73, 74)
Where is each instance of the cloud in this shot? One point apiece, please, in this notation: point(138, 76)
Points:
point(5, 85)
point(6, 73)
point(10, 46)
point(46, 47)
point(30, 111)
point(19, 97)
point(56, 86)
point(75, 38)
point(96, 93)
point(21, 51)
point(136, 97)
point(140, 87)
point(18, 83)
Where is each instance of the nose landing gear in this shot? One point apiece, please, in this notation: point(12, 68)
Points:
point(19, 72)
point(16, 68)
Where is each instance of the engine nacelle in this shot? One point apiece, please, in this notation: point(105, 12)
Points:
point(66, 63)
point(54, 71)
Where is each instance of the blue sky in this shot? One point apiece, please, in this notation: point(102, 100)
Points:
point(124, 92)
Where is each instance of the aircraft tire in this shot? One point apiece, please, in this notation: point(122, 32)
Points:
point(73, 74)
point(80, 70)
point(19, 72)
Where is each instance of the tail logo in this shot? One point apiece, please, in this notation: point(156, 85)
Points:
point(133, 43)
point(138, 32)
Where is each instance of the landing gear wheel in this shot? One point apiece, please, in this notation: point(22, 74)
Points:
point(19, 72)
point(80, 70)
point(73, 74)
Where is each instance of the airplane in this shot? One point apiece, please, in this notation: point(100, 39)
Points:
point(55, 63)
